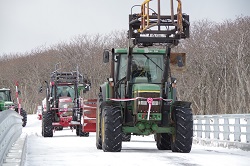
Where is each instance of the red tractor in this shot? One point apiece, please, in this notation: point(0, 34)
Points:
point(63, 106)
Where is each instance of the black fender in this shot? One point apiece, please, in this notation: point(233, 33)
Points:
point(179, 104)
point(185, 104)
point(103, 91)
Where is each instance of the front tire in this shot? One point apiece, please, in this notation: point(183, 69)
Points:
point(182, 140)
point(126, 137)
point(163, 141)
point(24, 115)
point(59, 128)
point(81, 133)
point(111, 129)
point(47, 127)
point(77, 130)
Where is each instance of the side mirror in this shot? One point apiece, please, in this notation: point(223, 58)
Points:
point(178, 61)
point(87, 87)
point(105, 56)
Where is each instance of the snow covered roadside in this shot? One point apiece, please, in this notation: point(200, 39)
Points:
point(65, 148)
point(17, 153)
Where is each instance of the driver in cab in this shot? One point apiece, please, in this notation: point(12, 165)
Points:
point(64, 92)
point(139, 70)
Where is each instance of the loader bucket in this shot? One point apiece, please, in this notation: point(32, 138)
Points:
point(89, 115)
point(178, 62)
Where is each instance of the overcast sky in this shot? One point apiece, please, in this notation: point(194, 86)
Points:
point(28, 24)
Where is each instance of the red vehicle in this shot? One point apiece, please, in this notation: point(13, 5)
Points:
point(89, 115)
point(63, 106)
point(39, 112)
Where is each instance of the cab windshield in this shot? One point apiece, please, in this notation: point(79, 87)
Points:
point(66, 91)
point(149, 66)
point(5, 95)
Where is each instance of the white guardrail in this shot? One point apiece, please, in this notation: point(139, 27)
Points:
point(228, 130)
point(10, 131)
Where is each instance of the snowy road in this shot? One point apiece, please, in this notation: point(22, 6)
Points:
point(65, 148)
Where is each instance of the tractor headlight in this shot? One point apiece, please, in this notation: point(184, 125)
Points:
point(143, 103)
point(65, 106)
point(155, 102)
point(10, 107)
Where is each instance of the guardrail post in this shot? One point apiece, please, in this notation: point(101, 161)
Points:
point(226, 129)
point(199, 128)
point(248, 130)
point(216, 127)
point(237, 130)
point(207, 128)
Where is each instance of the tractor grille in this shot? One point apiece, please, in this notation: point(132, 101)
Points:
point(143, 105)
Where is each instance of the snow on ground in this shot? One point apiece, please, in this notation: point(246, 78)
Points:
point(65, 148)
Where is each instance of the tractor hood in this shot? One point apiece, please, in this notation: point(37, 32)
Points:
point(146, 88)
point(5, 105)
point(66, 104)
point(65, 99)
point(146, 92)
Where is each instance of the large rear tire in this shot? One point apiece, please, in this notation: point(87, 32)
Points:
point(182, 140)
point(80, 132)
point(42, 124)
point(24, 115)
point(163, 141)
point(111, 129)
point(77, 130)
point(47, 127)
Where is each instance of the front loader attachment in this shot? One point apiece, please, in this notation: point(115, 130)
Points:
point(151, 27)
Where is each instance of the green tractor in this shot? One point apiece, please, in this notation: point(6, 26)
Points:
point(6, 103)
point(140, 96)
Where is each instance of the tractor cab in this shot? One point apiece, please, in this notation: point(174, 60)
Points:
point(143, 71)
point(65, 98)
point(5, 95)
point(5, 100)
point(147, 67)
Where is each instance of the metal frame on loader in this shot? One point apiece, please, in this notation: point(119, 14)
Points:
point(6, 103)
point(59, 112)
point(146, 103)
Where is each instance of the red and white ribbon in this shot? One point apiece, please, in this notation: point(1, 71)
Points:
point(136, 98)
point(150, 101)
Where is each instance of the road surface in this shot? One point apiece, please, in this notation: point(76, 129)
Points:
point(65, 148)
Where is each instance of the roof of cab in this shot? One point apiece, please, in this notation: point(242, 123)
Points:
point(4, 89)
point(141, 50)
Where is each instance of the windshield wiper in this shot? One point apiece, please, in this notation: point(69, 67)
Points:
point(152, 61)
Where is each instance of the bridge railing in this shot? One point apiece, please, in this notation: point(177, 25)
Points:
point(228, 130)
point(10, 131)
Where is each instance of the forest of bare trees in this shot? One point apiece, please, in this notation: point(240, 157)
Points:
point(217, 79)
